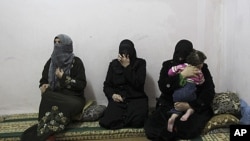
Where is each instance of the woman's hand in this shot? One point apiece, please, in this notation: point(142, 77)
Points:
point(124, 60)
point(59, 73)
point(43, 88)
point(190, 71)
point(117, 98)
point(181, 106)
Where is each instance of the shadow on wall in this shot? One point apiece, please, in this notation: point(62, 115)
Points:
point(89, 92)
point(150, 89)
point(95, 95)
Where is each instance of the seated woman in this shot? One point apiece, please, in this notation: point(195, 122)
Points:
point(156, 127)
point(62, 89)
point(124, 89)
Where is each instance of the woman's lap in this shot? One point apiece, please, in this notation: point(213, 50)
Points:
point(67, 104)
point(119, 115)
point(55, 107)
point(156, 126)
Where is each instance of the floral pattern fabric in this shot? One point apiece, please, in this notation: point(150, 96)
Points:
point(53, 121)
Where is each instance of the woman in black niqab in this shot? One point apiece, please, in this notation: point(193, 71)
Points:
point(156, 125)
point(127, 48)
point(124, 89)
point(182, 49)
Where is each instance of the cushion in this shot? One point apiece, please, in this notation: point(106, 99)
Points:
point(245, 112)
point(79, 116)
point(220, 121)
point(226, 103)
point(93, 113)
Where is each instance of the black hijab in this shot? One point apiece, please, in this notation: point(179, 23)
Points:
point(182, 49)
point(127, 47)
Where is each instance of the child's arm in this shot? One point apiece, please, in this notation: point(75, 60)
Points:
point(176, 69)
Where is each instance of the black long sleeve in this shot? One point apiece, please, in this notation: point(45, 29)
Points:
point(128, 82)
point(75, 81)
point(205, 92)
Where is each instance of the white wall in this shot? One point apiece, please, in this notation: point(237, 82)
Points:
point(27, 29)
point(236, 45)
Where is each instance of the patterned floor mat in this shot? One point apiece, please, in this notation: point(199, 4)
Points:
point(12, 126)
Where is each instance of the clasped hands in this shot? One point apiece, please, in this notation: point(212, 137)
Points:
point(124, 60)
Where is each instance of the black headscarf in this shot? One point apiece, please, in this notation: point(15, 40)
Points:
point(127, 47)
point(62, 57)
point(182, 49)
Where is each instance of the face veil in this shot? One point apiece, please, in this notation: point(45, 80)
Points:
point(61, 57)
point(127, 47)
point(182, 49)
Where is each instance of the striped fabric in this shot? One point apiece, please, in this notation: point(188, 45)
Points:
point(12, 126)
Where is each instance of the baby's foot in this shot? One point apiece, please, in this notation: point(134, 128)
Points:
point(171, 124)
point(184, 117)
point(187, 114)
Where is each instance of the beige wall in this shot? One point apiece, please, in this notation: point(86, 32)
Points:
point(217, 27)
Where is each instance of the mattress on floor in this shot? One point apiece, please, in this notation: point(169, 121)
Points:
point(12, 126)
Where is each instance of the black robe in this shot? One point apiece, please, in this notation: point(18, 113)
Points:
point(58, 107)
point(156, 125)
point(129, 83)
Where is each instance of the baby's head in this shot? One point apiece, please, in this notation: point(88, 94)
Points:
point(196, 58)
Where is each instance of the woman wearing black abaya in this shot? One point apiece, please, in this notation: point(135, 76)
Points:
point(62, 88)
point(156, 125)
point(124, 89)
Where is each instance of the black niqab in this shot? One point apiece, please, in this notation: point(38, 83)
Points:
point(127, 47)
point(182, 49)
